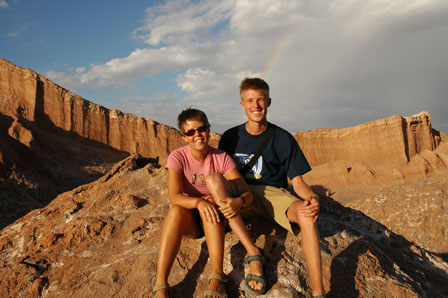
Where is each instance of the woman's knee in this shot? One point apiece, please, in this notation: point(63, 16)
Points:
point(178, 213)
point(182, 220)
point(214, 180)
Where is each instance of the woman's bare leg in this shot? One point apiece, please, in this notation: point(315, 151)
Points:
point(221, 191)
point(179, 222)
point(214, 236)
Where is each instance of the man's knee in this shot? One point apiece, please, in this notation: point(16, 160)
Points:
point(294, 215)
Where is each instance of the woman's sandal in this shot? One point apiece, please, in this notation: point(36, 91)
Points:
point(221, 292)
point(257, 278)
point(161, 287)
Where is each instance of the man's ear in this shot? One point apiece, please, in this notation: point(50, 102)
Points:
point(269, 102)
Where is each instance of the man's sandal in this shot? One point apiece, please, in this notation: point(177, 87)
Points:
point(161, 287)
point(221, 292)
point(257, 278)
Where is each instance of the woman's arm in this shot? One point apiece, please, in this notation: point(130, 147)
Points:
point(245, 195)
point(175, 193)
point(230, 207)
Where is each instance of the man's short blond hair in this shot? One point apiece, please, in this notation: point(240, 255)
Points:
point(254, 84)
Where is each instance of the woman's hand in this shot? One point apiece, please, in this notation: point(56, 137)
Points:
point(230, 207)
point(208, 211)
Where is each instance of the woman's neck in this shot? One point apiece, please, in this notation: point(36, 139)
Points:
point(200, 155)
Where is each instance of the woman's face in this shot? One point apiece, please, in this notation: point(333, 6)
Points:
point(196, 134)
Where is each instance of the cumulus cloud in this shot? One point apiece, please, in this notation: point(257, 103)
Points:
point(4, 4)
point(329, 63)
point(183, 22)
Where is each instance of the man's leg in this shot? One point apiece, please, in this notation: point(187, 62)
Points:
point(310, 244)
point(178, 222)
point(221, 190)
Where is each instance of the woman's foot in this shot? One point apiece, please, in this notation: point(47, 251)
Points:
point(161, 291)
point(255, 279)
point(256, 268)
point(216, 286)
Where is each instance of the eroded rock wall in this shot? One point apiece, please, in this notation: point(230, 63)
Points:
point(26, 94)
point(395, 139)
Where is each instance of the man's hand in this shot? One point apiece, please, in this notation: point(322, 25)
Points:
point(311, 208)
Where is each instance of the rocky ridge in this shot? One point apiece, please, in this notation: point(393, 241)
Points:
point(355, 161)
point(101, 239)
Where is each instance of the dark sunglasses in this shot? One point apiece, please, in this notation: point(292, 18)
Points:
point(200, 129)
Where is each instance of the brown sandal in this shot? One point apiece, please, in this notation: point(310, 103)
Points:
point(221, 292)
point(161, 287)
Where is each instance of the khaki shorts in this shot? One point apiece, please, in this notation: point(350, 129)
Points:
point(271, 202)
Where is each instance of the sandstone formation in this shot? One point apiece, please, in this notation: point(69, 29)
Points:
point(353, 161)
point(418, 211)
point(27, 96)
point(101, 240)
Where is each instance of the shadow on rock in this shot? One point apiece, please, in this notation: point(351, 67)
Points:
point(376, 260)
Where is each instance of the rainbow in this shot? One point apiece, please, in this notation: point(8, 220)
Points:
point(277, 55)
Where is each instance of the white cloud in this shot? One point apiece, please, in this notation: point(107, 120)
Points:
point(3, 4)
point(81, 69)
point(329, 63)
point(183, 22)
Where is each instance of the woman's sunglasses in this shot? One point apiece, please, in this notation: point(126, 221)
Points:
point(200, 129)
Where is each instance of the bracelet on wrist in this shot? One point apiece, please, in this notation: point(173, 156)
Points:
point(244, 202)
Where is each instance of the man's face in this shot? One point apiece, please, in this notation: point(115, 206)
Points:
point(255, 104)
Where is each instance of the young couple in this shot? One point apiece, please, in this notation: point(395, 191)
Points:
point(207, 191)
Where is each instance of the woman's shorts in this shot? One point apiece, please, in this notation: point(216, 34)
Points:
point(199, 227)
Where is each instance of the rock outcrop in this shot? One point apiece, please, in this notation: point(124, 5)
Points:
point(52, 140)
point(418, 211)
point(349, 162)
point(26, 95)
point(354, 161)
point(101, 240)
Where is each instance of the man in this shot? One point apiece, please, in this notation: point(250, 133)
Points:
point(268, 177)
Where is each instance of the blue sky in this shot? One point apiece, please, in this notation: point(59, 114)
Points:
point(330, 63)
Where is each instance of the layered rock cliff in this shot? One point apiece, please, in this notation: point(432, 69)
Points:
point(26, 95)
point(53, 140)
point(352, 161)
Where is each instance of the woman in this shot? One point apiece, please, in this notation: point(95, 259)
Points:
point(203, 183)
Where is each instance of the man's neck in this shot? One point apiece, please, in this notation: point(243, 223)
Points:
point(256, 128)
